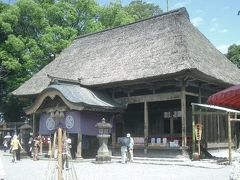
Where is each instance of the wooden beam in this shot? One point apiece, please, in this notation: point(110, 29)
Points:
point(52, 109)
point(192, 94)
point(150, 98)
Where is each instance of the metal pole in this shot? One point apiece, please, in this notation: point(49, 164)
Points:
point(193, 131)
point(59, 153)
point(229, 139)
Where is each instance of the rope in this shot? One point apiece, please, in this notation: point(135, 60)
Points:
point(51, 172)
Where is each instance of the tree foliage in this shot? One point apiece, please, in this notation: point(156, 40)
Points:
point(234, 54)
point(32, 32)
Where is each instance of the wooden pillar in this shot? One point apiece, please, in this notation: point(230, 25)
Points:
point(206, 131)
point(145, 127)
point(229, 139)
point(41, 144)
point(114, 131)
point(218, 129)
point(215, 128)
point(79, 146)
point(200, 101)
point(193, 131)
point(200, 94)
point(183, 109)
point(34, 124)
point(59, 153)
point(171, 123)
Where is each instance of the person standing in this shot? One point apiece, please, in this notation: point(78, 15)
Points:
point(14, 146)
point(19, 149)
point(130, 147)
point(5, 145)
point(31, 146)
point(36, 150)
point(124, 142)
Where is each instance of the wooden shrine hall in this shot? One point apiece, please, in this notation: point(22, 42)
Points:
point(149, 71)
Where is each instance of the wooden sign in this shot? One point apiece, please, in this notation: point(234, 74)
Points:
point(198, 131)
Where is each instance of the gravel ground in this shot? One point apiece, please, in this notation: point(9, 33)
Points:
point(27, 169)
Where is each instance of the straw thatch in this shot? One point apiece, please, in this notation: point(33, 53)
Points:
point(152, 48)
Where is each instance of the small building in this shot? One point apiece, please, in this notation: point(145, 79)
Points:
point(141, 76)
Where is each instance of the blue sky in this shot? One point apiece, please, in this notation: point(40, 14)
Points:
point(218, 20)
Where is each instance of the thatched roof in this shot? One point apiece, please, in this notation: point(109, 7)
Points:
point(152, 48)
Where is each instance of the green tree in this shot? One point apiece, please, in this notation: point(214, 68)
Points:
point(32, 32)
point(139, 9)
point(29, 40)
point(88, 12)
point(234, 54)
point(115, 14)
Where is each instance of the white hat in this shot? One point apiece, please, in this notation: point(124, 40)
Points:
point(128, 134)
point(69, 141)
point(15, 136)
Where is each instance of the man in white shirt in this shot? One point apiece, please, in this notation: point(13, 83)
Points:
point(130, 147)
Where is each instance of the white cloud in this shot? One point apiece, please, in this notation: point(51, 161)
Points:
point(197, 21)
point(223, 48)
point(223, 30)
point(182, 4)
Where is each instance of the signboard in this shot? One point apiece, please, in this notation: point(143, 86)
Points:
point(198, 131)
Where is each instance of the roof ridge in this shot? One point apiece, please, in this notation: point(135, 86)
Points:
point(182, 9)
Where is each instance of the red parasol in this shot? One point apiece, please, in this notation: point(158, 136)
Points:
point(229, 97)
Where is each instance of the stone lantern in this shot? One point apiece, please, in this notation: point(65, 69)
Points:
point(25, 134)
point(103, 154)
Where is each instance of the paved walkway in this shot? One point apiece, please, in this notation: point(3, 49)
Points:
point(26, 169)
